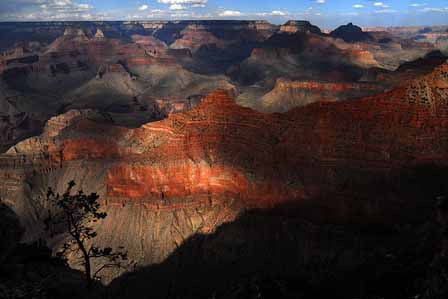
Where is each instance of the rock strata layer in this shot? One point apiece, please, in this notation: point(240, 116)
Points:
point(164, 181)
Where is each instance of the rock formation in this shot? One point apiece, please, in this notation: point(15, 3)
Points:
point(196, 36)
point(301, 56)
point(166, 180)
point(300, 26)
point(350, 33)
point(74, 32)
point(289, 94)
point(152, 45)
point(99, 33)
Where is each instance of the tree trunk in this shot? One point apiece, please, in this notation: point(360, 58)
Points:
point(88, 270)
point(87, 265)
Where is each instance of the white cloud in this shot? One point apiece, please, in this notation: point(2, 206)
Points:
point(230, 13)
point(274, 13)
point(363, 11)
point(380, 4)
point(53, 10)
point(385, 11)
point(192, 2)
point(418, 4)
point(435, 9)
point(184, 4)
point(143, 7)
point(84, 6)
point(177, 7)
point(180, 15)
point(278, 13)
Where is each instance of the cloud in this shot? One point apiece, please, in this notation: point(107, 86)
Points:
point(418, 4)
point(177, 7)
point(230, 13)
point(37, 10)
point(435, 9)
point(274, 13)
point(183, 4)
point(143, 7)
point(381, 4)
point(192, 2)
point(386, 11)
point(365, 12)
point(278, 13)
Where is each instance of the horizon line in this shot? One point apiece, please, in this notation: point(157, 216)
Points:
point(205, 20)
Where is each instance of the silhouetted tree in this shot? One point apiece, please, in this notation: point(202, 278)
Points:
point(75, 214)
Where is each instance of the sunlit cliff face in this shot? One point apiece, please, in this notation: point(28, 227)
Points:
point(221, 148)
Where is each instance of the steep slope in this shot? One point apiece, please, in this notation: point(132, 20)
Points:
point(187, 174)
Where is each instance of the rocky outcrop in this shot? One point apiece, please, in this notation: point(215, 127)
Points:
point(300, 26)
point(196, 36)
point(152, 45)
point(363, 58)
point(350, 33)
point(99, 34)
point(74, 32)
point(74, 35)
point(428, 62)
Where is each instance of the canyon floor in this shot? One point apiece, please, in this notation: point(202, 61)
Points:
point(234, 159)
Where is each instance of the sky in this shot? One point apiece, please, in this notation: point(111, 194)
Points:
point(325, 13)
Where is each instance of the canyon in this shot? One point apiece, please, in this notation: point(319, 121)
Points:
point(126, 69)
point(205, 165)
point(239, 148)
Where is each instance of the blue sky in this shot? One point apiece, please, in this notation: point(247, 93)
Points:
point(325, 13)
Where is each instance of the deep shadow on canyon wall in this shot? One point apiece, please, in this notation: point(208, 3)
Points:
point(284, 253)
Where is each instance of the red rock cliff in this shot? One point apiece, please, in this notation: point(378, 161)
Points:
point(220, 148)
